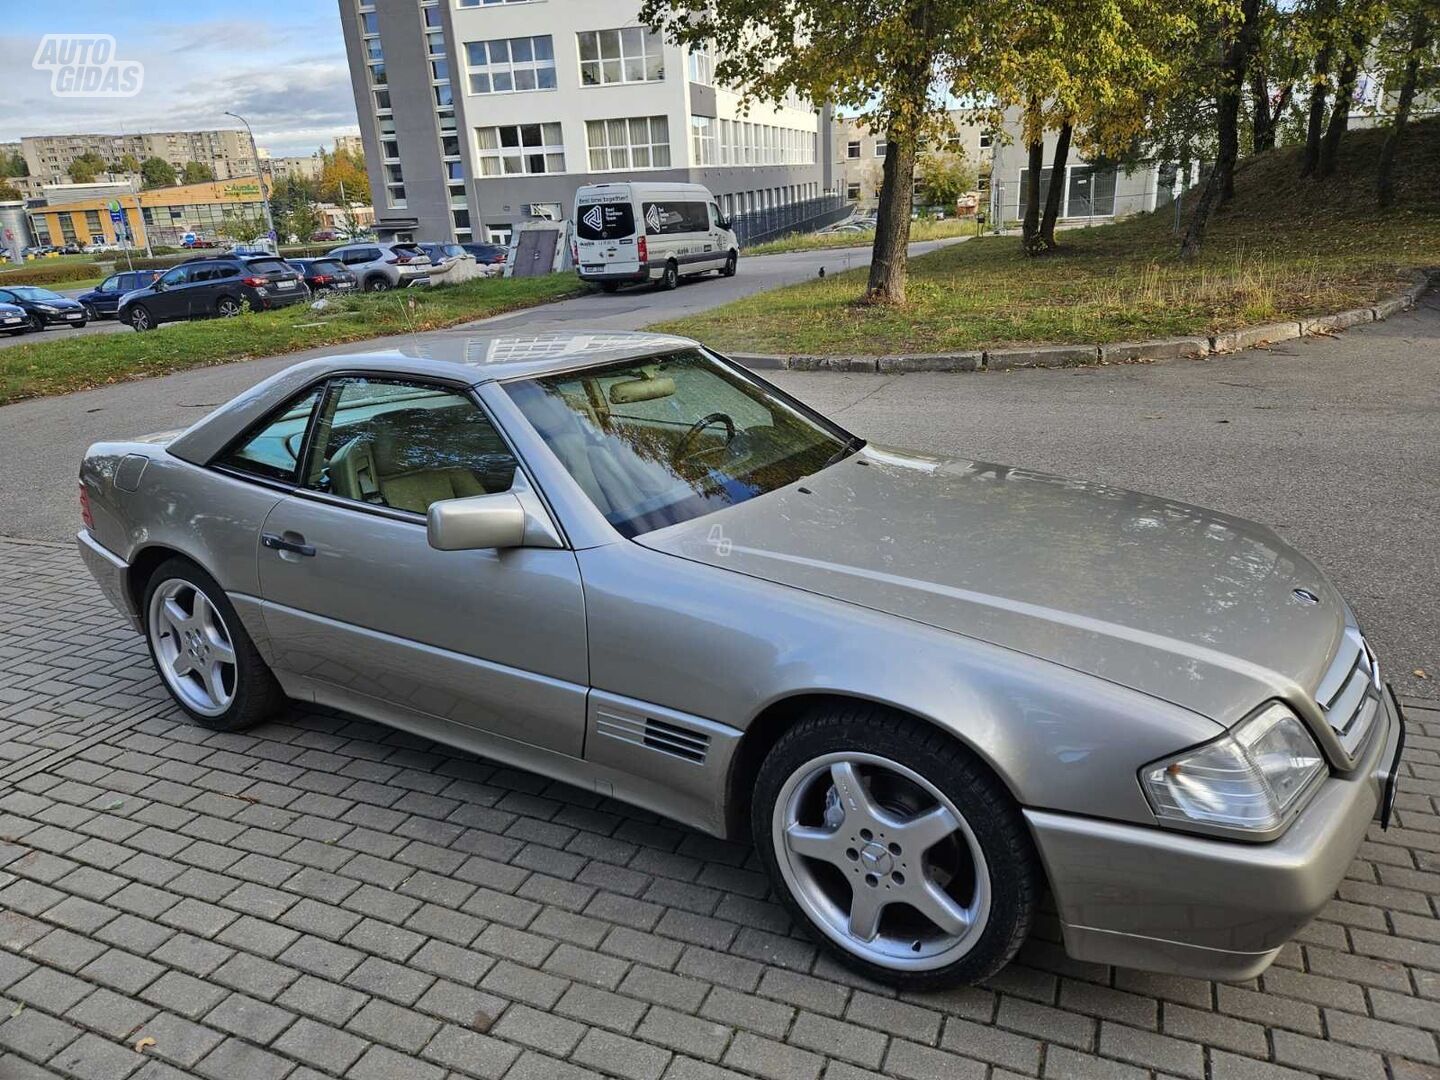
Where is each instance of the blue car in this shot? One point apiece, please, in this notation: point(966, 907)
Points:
point(103, 300)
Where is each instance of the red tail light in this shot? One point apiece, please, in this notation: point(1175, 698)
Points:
point(642, 249)
point(575, 250)
point(255, 282)
point(321, 279)
point(85, 515)
point(400, 260)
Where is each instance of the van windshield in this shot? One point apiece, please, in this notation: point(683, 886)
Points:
point(605, 221)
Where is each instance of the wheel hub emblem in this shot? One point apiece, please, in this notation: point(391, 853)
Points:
point(875, 859)
point(1305, 596)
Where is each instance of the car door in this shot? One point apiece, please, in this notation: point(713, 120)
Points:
point(358, 603)
point(170, 301)
point(107, 294)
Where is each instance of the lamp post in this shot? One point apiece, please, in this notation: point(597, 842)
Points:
point(259, 179)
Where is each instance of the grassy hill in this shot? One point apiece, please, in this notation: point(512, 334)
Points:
point(1285, 247)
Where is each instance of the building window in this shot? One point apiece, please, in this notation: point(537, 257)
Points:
point(633, 54)
point(852, 149)
point(702, 138)
point(517, 149)
point(444, 96)
point(1092, 192)
point(638, 142)
point(986, 139)
point(377, 73)
point(369, 24)
point(382, 101)
point(487, 3)
point(498, 233)
point(702, 67)
point(440, 71)
point(880, 147)
point(852, 190)
point(510, 65)
point(435, 42)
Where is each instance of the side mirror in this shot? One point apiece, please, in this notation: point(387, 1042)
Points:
point(479, 522)
point(159, 285)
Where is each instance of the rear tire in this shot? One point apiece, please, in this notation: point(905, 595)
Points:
point(670, 278)
point(201, 650)
point(610, 286)
point(377, 284)
point(896, 846)
point(227, 307)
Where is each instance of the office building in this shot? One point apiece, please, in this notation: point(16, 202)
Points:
point(480, 115)
point(859, 155)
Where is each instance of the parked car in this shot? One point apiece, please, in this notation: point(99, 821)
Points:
point(630, 232)
point(488, 254)
point(102, 301)
point(199, 242)
point(14, 319)
point(443, 256)
point(325, 275)
point(931, 690)
point(384, 266)
point(324, 236)
point(44, 307)
point(220, 285)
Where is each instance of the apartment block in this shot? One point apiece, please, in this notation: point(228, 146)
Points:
point(480, 115)
point(224, 150)
point(859, 154)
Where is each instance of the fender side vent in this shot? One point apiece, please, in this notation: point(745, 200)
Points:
point(658, 735)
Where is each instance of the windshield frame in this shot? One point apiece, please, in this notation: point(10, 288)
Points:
point(506, 410)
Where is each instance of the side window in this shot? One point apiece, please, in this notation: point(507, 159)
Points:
point(272, 450)
point(225, 272)
point(202, 272)
point(179, 276)
point(406, 445)
point(111, 284)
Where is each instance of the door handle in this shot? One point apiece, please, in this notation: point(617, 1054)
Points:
point(279, 543)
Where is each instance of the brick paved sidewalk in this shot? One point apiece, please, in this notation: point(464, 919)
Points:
point(325, 897)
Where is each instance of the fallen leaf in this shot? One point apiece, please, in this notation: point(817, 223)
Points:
point(483, 1021)
point(142, 1043)
point(17, 1010)
point(1420, 673)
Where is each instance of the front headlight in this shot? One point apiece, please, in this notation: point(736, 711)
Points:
point(48, 309)
point(1250, 779)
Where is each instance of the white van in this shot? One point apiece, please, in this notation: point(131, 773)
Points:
point(650, 232)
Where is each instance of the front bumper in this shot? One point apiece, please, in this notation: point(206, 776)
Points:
point(1211, 909)
point(111, 573)
point(64, 317)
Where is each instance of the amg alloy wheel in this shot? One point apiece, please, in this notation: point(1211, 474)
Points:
point(897, 846)
point(202, 652)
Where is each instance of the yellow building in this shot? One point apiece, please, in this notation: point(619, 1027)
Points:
point(164, 215)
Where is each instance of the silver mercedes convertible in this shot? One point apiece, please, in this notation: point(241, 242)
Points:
point(932, 690)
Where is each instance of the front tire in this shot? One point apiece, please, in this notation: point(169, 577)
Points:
point(140, 318)
point(377, 284)
point(227, 307)
point(896, 846)
point(202, 652)
point(732, 261)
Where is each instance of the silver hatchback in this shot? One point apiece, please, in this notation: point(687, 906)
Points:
point(930, 689)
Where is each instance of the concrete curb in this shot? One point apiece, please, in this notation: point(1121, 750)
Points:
point(1124, 352)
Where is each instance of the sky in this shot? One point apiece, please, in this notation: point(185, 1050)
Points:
point(281, 65)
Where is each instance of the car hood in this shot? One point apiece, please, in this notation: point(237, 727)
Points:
point(1179, 602)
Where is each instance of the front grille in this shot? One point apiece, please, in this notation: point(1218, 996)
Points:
point(1349, 693)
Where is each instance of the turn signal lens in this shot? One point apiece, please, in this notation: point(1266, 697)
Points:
point(1251, 778)
point(85, 515)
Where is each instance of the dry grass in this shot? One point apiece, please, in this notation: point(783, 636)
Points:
point(1286, 248)
point(919, 230)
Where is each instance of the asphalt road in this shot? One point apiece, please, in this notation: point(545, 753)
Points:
point(1334, 442)
point(626, 310)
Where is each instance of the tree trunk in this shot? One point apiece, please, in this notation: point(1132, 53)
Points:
point(1030, 223)
point(1319, 87)
point(1385, 171)
point(1340, 111)
point(1057, 187)
point(892, 220)
point(1220, 186)
point(1267, 115)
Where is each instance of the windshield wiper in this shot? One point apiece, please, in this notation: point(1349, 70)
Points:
point(845, 451)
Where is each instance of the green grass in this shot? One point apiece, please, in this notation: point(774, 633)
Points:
point(1286, 248)
point(919, 230)
point(60, 365)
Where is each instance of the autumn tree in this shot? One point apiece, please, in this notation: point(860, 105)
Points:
point(13, 165)
point(196, 173)
point(156, 172)
point(86, 167)
point(1409, 52)
point(342, 171)
point(9, 192)
point(127, 163)
point(1275, 70)
point(943, 176)
point(893, 61)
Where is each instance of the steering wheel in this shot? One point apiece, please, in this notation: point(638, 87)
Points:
point(680, 456)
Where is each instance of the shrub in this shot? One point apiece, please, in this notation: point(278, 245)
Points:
point(39, 273)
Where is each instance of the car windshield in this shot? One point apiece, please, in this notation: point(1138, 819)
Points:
point(669, 438)
point(326, 266)
point(29, 292)
point(267, 266)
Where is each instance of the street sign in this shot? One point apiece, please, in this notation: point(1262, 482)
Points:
point(116, 216)
point(114, 207)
